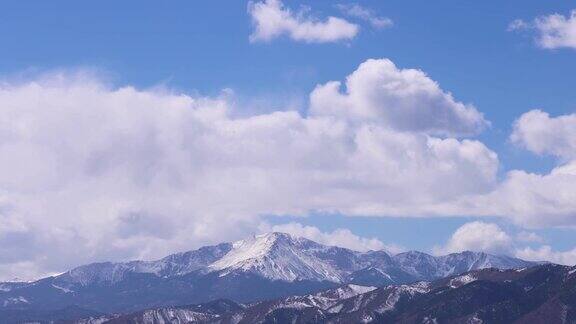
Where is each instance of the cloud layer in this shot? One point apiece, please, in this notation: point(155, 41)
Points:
point(123, 173)
point(127, 173)
point(271, 19)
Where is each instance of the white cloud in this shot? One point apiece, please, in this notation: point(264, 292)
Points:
point(539, 133)
point(357, 11)
point(271, 19)
point(525, 236)
point(518, 24)
point(123, 173)
point(553, 31)
point(535, 200)
point(489, 237)
point(340, 237)
point(532, 199)
point(545, 253)
point(402, 99)
point(557, 31)
point(477, 236)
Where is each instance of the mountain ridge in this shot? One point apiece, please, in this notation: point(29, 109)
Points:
point(544, 293)
point(264, 266)
point(252, 254)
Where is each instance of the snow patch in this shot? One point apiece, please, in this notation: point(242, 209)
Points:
point(461, 281)
point(15, 301)
point(325, 299)
point(65, 290)
point(357, 289)
point(336, 309)
point(397, 292)
point(276, 256)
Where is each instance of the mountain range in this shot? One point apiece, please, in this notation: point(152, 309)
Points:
point(540, 294)
point(262, 267)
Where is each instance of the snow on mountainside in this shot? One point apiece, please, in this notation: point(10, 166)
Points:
point(262, 267)
point(541, 294)
point(209, 312)
point(10, 285)
point(280, 256)
point(225, 311)
point(323, 299)
point(424, 266)
point(172, 265)
point(257, 312)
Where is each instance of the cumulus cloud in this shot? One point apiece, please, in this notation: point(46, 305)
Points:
point(536, 200)
point(489, 237)
point(541, 134)
point(552, 31)
point(402, 99)
point(368, 15)
point(123, 173)
point(271, 19)
point(477, 236)
point(340, 237)
point(540, 199)
point(546, 253)
point(525, 236)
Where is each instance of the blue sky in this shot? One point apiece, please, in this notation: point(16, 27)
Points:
point(199, 48)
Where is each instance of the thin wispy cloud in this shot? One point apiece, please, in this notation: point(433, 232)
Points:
point(365, 14)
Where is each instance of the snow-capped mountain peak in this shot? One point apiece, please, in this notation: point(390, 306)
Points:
point(265, 266)
point(277, 256)
point(255, 247)
point(280, 256)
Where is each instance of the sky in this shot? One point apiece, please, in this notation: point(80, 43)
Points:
point(135, 129)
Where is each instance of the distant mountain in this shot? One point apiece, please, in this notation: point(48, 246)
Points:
point(281, 257)
point(261, 267)
point(11, 285)
point(541, 294)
